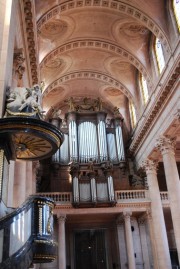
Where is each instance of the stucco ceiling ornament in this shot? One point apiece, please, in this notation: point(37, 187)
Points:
point(112, 92)
point(134, 30)
point(53, 28)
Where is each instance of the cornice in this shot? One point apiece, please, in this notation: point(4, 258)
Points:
point(156, 108)
point(29, 33)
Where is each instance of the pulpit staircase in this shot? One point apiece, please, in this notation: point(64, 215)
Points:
point(26, 235)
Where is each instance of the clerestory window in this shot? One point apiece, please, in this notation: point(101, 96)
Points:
point(159, 55)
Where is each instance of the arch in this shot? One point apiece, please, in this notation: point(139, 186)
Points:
point(89, 75)
point(111, 5)
point(98, 44)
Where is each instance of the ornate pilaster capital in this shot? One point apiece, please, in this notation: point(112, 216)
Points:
point(148, 214)
point(166, 144)
point(150, 166)
point(61, 218)
point(177, 115)
point(127, 215)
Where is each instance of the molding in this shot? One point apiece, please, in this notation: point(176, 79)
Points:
point(28, 19)
point(88, 75)
point(97, 44)
point(155, 110)
point(113, 6)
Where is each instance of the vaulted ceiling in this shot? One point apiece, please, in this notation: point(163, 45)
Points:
point(96, 48)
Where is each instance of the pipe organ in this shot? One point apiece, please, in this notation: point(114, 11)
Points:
point(88, 138)
point(92, 147)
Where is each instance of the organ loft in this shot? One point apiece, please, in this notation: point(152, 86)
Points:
point(92, 155)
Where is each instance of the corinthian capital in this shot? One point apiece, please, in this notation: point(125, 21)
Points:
point(166, 144)
point(149, 165)
point(61, 218)
point(127, 215)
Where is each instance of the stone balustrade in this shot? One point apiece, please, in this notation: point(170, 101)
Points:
point(124, 196)
point(131, 195)
point(59, 197)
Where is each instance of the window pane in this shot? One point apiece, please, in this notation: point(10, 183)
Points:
point(176, 7)
point(144, 89)
point(159, 55)
point(133, 114)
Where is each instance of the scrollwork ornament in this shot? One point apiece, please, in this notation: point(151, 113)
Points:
point(166, 144)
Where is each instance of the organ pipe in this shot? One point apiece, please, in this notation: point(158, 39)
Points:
point(119, 140)
point(110, 188)
point(93, 190)
point(75, 189)
point(102, 136)
point(87, 141)
point(73, 137)
point(111, 147)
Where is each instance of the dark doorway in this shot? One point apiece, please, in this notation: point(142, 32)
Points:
point(90, 252)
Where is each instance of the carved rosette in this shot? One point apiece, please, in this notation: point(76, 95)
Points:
point(150, 166)
point(166, 144)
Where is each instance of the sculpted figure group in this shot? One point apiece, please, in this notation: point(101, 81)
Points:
point(24, 101)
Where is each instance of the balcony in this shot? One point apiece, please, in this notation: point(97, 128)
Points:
point(124, 197)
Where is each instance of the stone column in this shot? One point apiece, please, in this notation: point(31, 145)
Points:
point(166, 146)
point(121, 243)
point(129, 240)
point(19, 183)
point(152, 238)
point(62, 242)
point(159, 227)
point(144, 245)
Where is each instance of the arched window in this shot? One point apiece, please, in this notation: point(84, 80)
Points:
point(132, 114)
point(176, 9)
point(144, 89)
point(159, 55)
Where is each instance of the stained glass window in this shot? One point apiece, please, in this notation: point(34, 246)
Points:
point(176, 8)
point(159, 55)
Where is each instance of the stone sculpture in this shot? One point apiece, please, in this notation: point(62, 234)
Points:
point(23, 101)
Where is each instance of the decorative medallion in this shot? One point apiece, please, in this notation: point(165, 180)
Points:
point(133, 30)
point(55, 27)
point(55, 63)
point(112, 92)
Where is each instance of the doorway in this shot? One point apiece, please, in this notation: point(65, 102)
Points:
point(90, 251)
